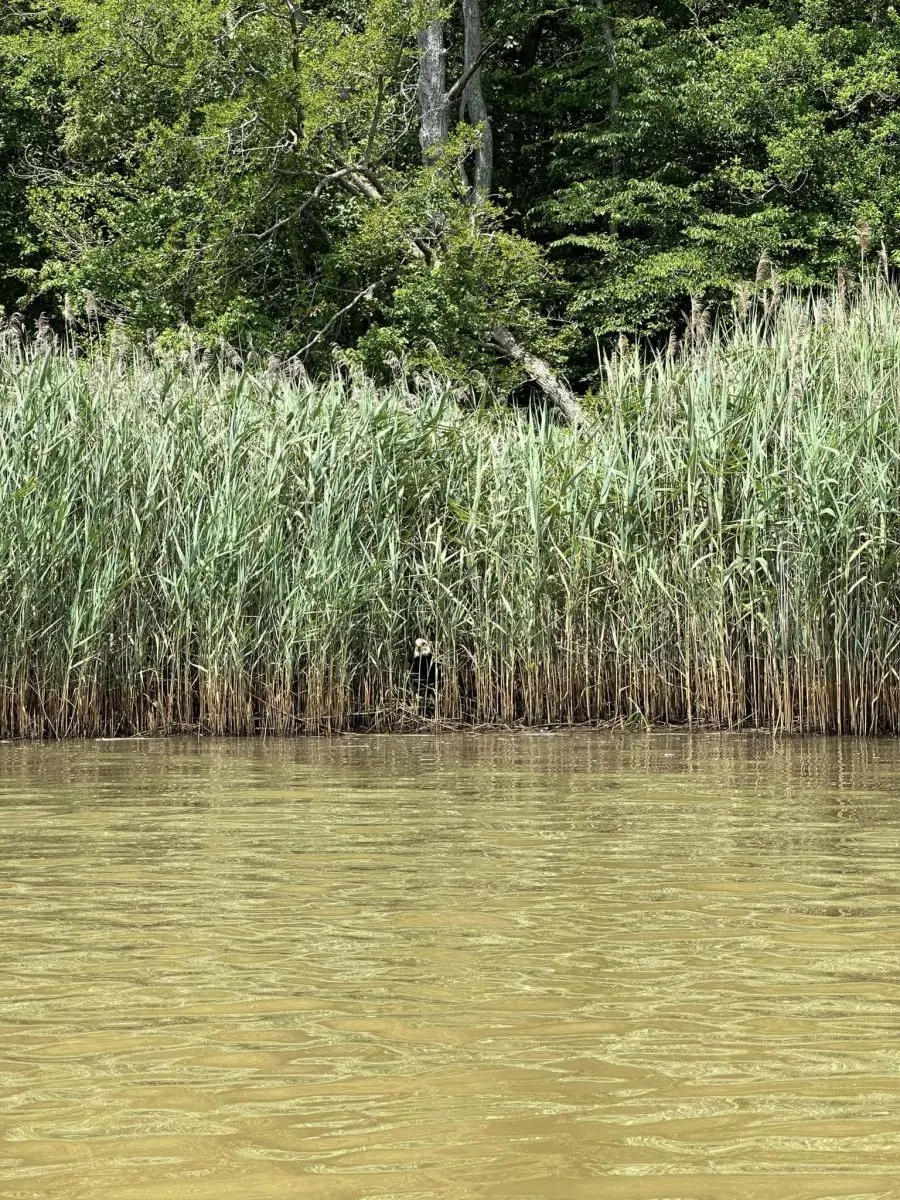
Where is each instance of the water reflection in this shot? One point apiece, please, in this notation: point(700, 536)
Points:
point(517, 966)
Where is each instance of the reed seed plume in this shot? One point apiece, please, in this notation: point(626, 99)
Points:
point(206, 548)
point(863, 235)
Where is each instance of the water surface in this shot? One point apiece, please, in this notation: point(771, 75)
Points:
point(582, 965)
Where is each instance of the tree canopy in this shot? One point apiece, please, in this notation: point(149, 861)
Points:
point(260, 172)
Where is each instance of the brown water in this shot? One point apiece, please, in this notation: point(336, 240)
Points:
point(516, 966)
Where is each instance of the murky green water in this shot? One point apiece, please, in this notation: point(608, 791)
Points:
point(517, 966)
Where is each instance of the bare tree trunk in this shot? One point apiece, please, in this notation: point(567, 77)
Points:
point(473, 98)
point(434, 122)
point(546, 379)
point(434, 129)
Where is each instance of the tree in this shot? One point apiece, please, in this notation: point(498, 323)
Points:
point(663, 148)
point(250, 173)
point(26, 120)
point(253, 170)
point(435, 100)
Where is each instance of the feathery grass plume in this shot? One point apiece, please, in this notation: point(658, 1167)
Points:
point(294, 368)
point(742, 299)
point(705, 323)
point(44, 337)
point(863, 237)
point(92, 313)
point(231, 356)
point(15, 334)
point(776, 290)
point(118, 341)
point(693, 323)
point(68, 316)
point(198, 548)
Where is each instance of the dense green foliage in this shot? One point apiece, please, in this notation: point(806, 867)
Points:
point(205, 548)
point(732, 131)
point(251, 171)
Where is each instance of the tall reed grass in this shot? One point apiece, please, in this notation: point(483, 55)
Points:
point(201, 549)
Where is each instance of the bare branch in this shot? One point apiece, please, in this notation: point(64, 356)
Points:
point(365, 294)
point(546, 379)
point(376, 117)
point(314, 195)
point(460, 86)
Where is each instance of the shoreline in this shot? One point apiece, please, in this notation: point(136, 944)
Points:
point(474, 732)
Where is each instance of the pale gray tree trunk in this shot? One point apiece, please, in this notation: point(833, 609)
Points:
point(434, 108)
point(434, 129)
point(543, 375)
point(473, 98)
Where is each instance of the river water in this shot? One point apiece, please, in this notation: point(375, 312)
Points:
point(630, 967)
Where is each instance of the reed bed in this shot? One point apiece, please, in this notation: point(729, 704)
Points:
point(202, 549)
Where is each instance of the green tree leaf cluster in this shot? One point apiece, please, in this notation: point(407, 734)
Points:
point(663, 148)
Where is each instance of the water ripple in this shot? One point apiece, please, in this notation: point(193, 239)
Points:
point(642, 968)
